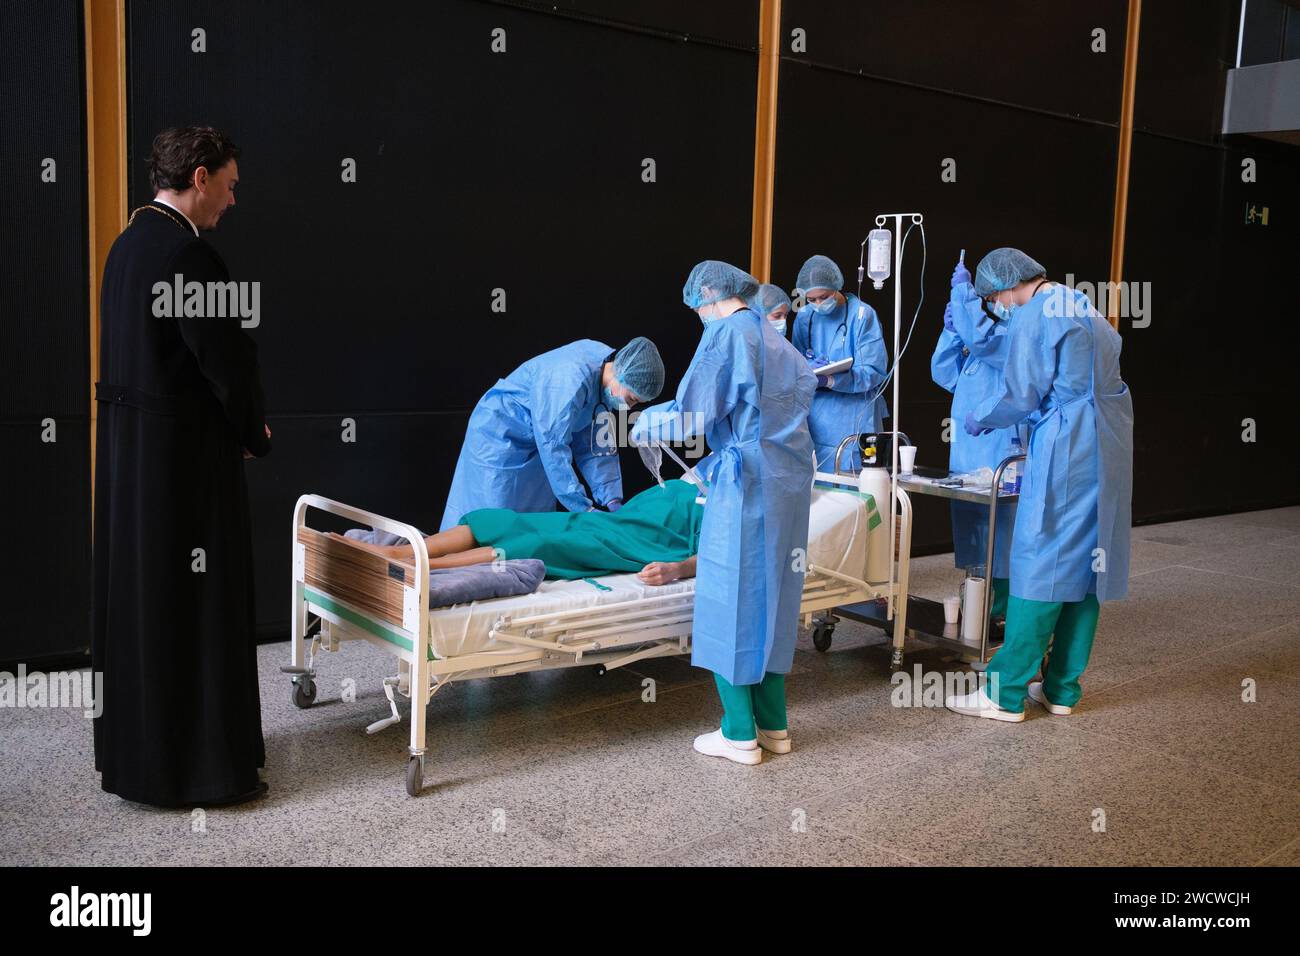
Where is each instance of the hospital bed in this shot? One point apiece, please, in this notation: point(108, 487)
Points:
point(605, 622)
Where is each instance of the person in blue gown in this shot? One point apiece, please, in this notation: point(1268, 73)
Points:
point(1070, 548)
point(749, 393)
point(551, 419)
point(832, 326)
point(967, 362)
point(772, 303)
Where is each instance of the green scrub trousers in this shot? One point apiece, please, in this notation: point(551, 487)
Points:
point(752, 705)
point(1001, 591)
point(1070, 626)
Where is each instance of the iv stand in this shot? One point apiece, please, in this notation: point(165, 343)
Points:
point(916, 219)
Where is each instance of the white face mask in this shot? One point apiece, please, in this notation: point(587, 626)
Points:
point(779, 325)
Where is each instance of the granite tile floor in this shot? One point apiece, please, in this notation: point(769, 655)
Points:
point(1184, 750)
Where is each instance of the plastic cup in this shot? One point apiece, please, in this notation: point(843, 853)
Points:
point(951, 608)
point(906, 458)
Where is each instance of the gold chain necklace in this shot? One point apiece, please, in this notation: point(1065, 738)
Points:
point(159, 211)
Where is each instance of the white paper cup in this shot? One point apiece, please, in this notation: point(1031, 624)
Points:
point(906, 458)
point(951, 608)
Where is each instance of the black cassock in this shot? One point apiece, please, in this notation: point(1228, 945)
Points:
point(179, 401)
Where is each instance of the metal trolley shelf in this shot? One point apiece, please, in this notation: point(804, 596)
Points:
point(923, 618)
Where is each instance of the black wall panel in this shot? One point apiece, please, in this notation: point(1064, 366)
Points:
point(1020, 52)
point(44, 327)
point(1210, 357)
point(44, 332)
point(731, 22)
point(1185, 50)
point(475, 171)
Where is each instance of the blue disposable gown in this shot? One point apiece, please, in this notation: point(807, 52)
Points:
point(1072, 529)
point(748, 392)
point(529, 431)
point(968, 363)
point(850, 331)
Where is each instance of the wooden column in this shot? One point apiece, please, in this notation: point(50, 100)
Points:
point(105, 27)
point(769, 58)
point(1125, 154)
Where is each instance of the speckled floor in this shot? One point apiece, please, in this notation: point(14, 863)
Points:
point(1162, 763)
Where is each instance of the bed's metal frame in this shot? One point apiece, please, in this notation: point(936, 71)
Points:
point(606, 636)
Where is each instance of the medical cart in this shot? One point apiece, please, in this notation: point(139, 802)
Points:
point(922, 618)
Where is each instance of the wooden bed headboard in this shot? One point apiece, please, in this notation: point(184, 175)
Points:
point(342, 568)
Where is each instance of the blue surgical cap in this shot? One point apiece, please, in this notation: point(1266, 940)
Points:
point(1004, 269)
point(638, 366)
point(712, 281)
point(769, 297)
point(819, 272)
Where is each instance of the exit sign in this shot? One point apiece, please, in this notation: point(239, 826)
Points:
point(1256, 215)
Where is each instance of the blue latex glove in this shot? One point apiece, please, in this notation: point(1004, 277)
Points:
point(614, 504)
point(947, 319)
point(823, 381)
point(973, 428)
point(816, 361)
point(960, 274)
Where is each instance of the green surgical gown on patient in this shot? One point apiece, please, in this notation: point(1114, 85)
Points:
point(661, 524)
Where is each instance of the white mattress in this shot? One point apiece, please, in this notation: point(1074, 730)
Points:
point(837, 539)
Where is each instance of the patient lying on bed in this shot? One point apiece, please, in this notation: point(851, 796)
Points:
point(655, 534)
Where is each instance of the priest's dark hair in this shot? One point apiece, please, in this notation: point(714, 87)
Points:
point(178, 151)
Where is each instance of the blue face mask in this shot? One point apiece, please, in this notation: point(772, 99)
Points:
point(612, 401)
point(997, 311)
point(826, 306)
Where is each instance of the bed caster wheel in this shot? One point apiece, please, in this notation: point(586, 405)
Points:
point(414, 776)
point(896, 661)
point(822, 637)
point(304, 693)
point(601, 670)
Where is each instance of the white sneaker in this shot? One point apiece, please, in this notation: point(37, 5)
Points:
point(979, 705)
point(740, 751)
point(1036, 694)
point(774, 741)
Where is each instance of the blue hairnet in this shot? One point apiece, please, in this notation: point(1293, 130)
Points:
point(819, 272)
point(769, 297)
point(638, 366)
point(713, 281)
point(1004, 269)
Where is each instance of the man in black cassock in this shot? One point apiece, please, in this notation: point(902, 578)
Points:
point(180, 408)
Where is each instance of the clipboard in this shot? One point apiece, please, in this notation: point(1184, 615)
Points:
point(834, 368)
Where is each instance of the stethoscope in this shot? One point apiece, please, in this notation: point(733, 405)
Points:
point(841, 332)
point(601, 452)
point(595, 417)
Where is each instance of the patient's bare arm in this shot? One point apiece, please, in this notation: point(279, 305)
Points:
point(665, 572)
